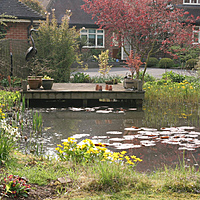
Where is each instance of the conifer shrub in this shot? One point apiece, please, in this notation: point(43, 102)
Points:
point(153, 62)
point(190, 64)
point(166, 63)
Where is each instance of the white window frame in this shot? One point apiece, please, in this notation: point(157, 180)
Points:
point(86, 32)
point(191, 2)
point(195, 31)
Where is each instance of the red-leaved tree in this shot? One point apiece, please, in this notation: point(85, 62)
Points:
point(147, 26)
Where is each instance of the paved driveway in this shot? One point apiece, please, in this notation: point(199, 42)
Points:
point(121, 71)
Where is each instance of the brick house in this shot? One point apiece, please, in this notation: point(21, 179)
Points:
point(96, 38)
point(25, 18)
point(15, 43)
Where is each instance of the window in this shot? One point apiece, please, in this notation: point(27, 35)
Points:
point(93, 37)
point(196, 34)
point(191, 2)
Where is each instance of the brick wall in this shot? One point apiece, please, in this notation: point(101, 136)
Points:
point(17, 31)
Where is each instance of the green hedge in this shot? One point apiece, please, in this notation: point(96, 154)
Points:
point(166, 63)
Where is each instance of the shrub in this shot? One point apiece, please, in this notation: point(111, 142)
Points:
point(174, 77)
point(58, 45)
point(153, 62)
point(165, 63)
point(102, 59)
point(147, 77)
point(101, 79)
point(190, 64)
point(176, 65)
point(81, 78)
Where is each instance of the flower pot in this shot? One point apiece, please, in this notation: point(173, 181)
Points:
point(47, 84)
point(36, 77)
point(135, 84)
point(130, 83)
point(34, 83)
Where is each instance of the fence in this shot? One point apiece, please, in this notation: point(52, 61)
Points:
point(12, 58)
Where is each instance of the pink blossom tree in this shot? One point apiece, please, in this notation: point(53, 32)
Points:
point(147, 26)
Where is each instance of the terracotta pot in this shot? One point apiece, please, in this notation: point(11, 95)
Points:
point(34, 83)
point(106, 87)
point(36, 77)
point(100, 88)
point(97, 87)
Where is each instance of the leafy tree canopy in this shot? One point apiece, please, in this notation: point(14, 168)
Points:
point(145, 25)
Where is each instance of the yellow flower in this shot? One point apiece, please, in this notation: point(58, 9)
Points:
point(130, 162)
point(127, 157)
point(133, 157)
point(139, 160)
point(59, 145)
point(70, 139)
point(123, 152)
point(83, 146)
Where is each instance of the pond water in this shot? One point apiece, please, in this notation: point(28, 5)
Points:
point(158, 136)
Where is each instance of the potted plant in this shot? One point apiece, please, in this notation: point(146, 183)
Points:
point(37, 68)
point(133, 64)
point(47, 82)
point(34, 82)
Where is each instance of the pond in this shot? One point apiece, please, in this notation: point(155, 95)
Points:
point(158, 136)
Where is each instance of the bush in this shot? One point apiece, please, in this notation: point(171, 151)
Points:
point(81, 78)
point(176, 65)
point(58, 45)
point(174, 77)
point(165, 63)
point(147, 77)
point(190, 64)
point(153, 62)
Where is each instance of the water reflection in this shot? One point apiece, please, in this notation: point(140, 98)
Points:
point(140, 133)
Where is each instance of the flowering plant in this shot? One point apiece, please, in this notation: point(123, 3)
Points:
point(8, 138)
point(2, 114)
point(102, 59)
point(87, 151)
point(47, 77)
point(16, 186)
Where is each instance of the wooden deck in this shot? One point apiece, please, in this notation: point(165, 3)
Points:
point(83, 94)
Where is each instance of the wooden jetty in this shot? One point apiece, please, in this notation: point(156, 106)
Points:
point(83, 94)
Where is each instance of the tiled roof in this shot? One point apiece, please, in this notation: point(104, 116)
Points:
point(79, 16)
point(18, 9)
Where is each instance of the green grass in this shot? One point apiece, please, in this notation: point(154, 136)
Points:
point(104, 180)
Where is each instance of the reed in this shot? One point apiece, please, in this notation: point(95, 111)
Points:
point(172, 93)
point(37, 122)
